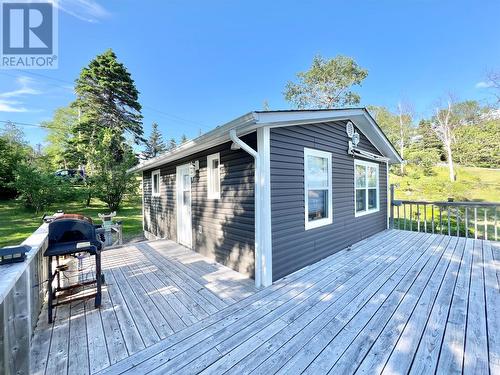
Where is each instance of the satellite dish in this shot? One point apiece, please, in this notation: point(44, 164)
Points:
point(349, 129)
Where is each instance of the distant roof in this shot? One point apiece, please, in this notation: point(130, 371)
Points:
point(251, 121)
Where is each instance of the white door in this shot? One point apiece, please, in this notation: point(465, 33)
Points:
point(184, 234)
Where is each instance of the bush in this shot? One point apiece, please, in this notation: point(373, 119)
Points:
point(11, 154)
point(112, 184)
point(39, 189)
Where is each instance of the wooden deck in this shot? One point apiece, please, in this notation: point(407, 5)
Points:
point(399, 302)
point(152, 291)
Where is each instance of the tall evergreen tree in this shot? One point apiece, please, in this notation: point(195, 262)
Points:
point(171, 144)
point(184, 139)
point(107, 99)
point(60, 138)
point(427, 139)
point(108, 107)
point(155, 144)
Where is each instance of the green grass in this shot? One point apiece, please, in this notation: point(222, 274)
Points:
point(17, 223)
point(473, 184)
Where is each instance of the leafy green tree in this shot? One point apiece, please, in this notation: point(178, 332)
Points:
point(450, 120)
point(39, 189)
point(112, 182)
point(327, 84)
point(493, 82)
point(13, 134)
point(398, 127)
point(469, 112)
point(444, 124)
point(155, 144)
point(12, 154)
point(478, 144)
point(60, 138)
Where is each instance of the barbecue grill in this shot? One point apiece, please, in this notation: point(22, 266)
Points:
point(71, 236)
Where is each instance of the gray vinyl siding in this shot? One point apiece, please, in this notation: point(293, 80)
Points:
point(293, 246)
point(223, 229)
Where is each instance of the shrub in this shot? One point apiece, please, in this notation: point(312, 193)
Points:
point(11, 154)
point(39, 189)
point(112, 184)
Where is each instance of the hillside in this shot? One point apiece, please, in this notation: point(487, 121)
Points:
point(473, 184)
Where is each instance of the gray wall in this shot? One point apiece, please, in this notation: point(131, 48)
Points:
point(222, 229)
point(293, 246)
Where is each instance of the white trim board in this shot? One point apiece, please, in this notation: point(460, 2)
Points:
point(366, 188)
point(153, 174)
point(329, 219)
point(255, 120)
point(210, 193)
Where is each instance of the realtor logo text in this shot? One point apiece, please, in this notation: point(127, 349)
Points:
point(29, 34)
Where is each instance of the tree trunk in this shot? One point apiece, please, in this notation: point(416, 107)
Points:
point(401, 138)
point(402, 166)
point(450, 162)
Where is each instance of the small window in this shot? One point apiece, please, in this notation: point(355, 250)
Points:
point(366, 182)
point(318, 188)
point(213, 176)
point(155, 183)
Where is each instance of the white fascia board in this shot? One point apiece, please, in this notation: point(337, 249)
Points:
point(387, 148)
point(358, 116)
point(292, 117)
point(254, 120)
point(213, 138)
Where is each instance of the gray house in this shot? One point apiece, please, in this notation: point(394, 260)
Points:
point(271, 192)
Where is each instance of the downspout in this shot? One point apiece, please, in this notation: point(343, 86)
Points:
point(258, 205)
point(389, 199)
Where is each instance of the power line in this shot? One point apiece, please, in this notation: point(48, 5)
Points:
point(33, 125)
point(166, 114)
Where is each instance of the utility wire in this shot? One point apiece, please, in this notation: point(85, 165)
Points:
point(166, 114)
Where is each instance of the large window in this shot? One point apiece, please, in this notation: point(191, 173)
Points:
point(366, 187)
point(155, 183)
point(213, 176)
point(318, 188)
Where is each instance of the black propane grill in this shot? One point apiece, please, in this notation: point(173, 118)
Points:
point(71, 236)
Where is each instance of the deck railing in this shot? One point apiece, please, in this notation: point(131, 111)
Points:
point(462, 219)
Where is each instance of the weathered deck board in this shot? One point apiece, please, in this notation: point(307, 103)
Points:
point(276, 303)
point(398, 302)
point(146, 298)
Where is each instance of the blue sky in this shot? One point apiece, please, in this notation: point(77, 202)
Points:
point(198, 64)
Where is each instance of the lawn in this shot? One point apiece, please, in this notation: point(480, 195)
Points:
point(17, 222)
point(473, 184)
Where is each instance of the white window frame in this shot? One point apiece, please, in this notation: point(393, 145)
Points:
point(210, 193)
point(153, 174)
point(329, 219)
point(366, 211)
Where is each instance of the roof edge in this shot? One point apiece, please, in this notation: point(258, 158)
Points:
point(198, 144)
point(252, 120)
